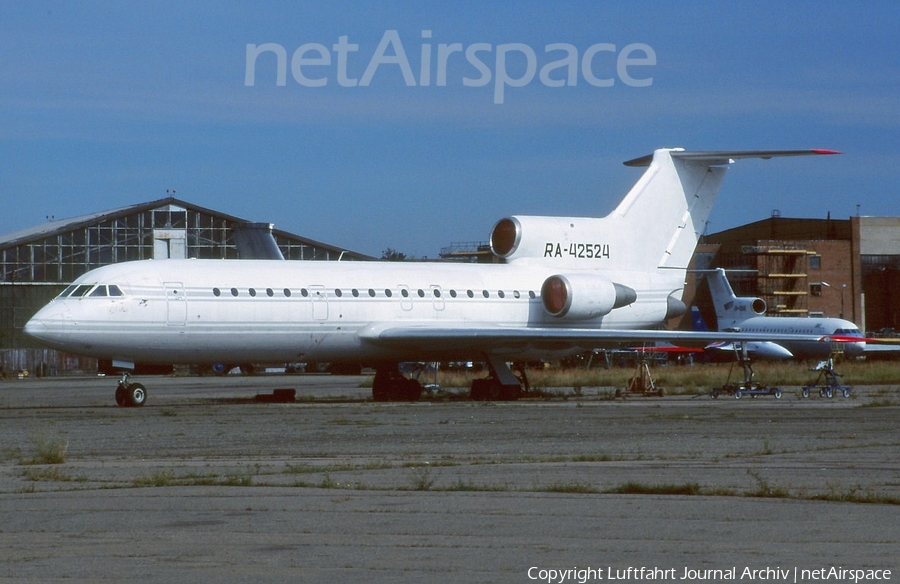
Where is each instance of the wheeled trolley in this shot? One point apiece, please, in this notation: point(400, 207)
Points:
point(827, 382)
point(739, 391)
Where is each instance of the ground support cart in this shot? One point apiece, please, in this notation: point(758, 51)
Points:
point(827, 382)
point(739, 391)
point(747, 386)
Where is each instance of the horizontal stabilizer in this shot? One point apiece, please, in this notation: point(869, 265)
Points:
point(720, 157)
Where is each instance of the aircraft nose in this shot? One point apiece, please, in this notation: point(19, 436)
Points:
point(855, 349)
point(51, 324)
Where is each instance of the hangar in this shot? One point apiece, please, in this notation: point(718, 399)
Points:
point(39, 262)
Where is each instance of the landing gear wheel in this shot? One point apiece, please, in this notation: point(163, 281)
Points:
point(480, 389)
point(120, 396)
point(390, 385)
point(135, 395)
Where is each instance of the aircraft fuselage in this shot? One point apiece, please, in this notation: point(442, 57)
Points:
point(238, 311)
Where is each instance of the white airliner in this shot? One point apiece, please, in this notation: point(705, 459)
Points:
point(566, 284)
point(746, 314)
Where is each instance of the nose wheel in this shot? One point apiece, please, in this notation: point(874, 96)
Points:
point(130, 395)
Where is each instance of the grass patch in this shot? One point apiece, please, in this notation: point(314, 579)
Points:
point(634, 488)
point(853, 496)
point(162, 478)
point(166, 478)
point(468, 486)
point(49, 474)
point(312, 468)
point(420, 478)
point(765, 490)
point(685, 380)
point(576, 488)
point(49, 450)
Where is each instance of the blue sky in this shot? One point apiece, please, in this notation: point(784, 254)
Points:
point(106, 104)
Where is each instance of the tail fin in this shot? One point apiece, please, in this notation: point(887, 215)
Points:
point(668, 207)
point(657, 224)
point(731, 311)
point(671, 202)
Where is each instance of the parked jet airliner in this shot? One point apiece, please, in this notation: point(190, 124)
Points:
point(747, 314)
point(565, 284)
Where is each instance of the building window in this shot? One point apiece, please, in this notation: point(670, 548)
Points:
point(815, 289)
point(815, 262)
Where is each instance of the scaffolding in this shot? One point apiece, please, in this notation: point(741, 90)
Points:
point(783, 275)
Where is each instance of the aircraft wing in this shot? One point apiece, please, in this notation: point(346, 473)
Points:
point(486, 338)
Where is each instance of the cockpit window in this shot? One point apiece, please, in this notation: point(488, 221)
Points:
point(849, 332)
point(67, 291)
point(102, 291)
point(82, 290)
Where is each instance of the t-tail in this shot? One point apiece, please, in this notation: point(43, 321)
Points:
point(731, 311)
point(655, 227)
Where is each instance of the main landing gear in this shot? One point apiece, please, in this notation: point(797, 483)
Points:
point(502, 385)
point(391, 385)
point(130, 395)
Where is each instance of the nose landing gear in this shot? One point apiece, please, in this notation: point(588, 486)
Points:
point(130, 395)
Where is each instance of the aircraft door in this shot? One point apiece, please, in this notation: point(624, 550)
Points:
point(437, 297)
point(176, 304)
point(405, 297)
point(319, 302)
